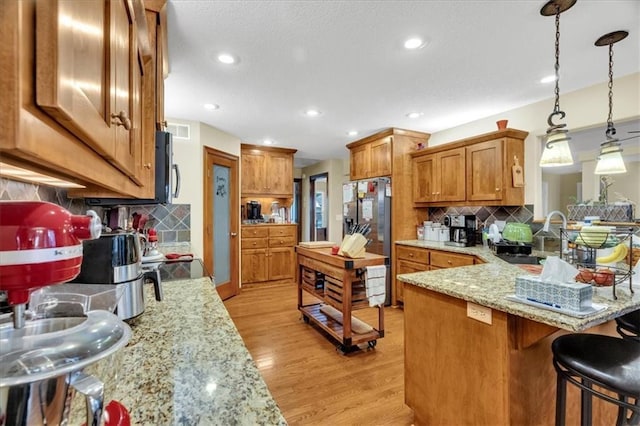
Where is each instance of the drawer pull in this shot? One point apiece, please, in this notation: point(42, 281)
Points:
point(410, 254)
point(449, 262)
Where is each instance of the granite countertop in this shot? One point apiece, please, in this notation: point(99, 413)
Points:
point(187, 364)
point(488, 284)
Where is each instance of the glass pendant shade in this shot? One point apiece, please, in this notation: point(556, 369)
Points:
point(610, 162)
point(556, 151)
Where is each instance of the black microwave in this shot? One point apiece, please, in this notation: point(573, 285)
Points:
point(167, 176)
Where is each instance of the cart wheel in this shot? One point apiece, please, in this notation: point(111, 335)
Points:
point(342, 349)
point(372, 343)
point(305, 319)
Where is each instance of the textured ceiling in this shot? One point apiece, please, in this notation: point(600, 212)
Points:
point(346, 59)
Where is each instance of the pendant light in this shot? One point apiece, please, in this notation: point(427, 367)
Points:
point(556, 150)
point(610, 159)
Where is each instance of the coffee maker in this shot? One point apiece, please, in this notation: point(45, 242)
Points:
point(253, 210)
point(462, 230)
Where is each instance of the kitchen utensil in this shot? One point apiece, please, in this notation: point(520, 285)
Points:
point(40, 245)
point(41, 361)
point(517, 232)
point(173, 256)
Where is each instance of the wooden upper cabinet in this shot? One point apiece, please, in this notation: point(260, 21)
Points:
point(73, 77)
point(266, 171)
point(473, 171)
point(439, 176)
point(370, 159)
point(380, 158)
point(484, 171)
point(254, 168)
point(280, 173)
point(88, 74)
point(77, 74)
point(359, 162)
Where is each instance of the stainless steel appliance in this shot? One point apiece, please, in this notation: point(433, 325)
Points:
point(116, 258)
point(367, 206)
point(166, 179)
point(254, 210)
point(462, 230)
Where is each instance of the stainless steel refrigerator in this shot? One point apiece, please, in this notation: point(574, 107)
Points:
point(367, 206)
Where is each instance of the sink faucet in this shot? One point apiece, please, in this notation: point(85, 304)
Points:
point(547, 222)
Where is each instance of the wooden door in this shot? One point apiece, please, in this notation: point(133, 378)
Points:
point(281, 263)
point(125, 87)
point(222, 220)
point(484, 171)
point(451, 175)
point(72, 79)
point(360, 161)
point(255, 265)
point(279, 174)
point(424, 178)
point(254, 165)
point(380, 158)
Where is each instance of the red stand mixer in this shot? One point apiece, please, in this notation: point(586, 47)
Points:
point(40, 245)
point(44, 359)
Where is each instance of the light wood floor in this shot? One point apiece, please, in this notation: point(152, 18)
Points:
point(311, 382)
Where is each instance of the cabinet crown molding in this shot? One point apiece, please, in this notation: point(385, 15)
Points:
point(389, 132)
point(268, 148)
point(507, 133)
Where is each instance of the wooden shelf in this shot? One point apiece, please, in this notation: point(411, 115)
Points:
point(334, 328)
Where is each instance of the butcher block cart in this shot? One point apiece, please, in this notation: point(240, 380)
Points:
point(337, 284)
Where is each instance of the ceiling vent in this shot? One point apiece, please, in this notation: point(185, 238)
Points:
point(179, 131)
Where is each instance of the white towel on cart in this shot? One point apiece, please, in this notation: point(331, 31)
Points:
point(376, 284)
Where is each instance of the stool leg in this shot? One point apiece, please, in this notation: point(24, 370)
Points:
point(622, 412)
point(561, 400)
point(634, 420)
point(585, 404)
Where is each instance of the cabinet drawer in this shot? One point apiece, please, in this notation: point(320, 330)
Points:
point(413, 254)
point(282, 242)
point(443, 259)
point(282, 231)
point(255, 232)
point(254, 243)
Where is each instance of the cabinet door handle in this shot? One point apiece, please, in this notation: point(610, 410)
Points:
point(410, 254)
point(234, 234)
point(497, 189)
point(147, 166)
point(121, 119)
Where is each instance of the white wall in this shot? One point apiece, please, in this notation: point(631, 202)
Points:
point(337, 176)
point(585, 108)
point(189, 155)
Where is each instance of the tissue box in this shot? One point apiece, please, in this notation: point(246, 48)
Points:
point(571, 296)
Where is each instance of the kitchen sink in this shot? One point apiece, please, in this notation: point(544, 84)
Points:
point(524, 259)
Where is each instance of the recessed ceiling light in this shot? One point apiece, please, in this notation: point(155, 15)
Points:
point(548, 79)
point(227, 58)
point(312, 113)
point(414, 114)
point(268, 142)
point(352, 133)
point(211, 107)
point(414, 43)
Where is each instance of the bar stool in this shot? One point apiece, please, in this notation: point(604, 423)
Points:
point(593, 359)
point(628, 325)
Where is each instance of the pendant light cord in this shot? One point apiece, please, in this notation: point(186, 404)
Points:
point(611, 131)
point(556, 109)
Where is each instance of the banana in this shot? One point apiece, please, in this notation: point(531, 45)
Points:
point(618, 253)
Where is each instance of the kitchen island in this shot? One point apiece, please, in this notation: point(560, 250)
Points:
point(187, 364)
point(494, 368)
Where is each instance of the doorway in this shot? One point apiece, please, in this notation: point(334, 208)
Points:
point(319, 202)
point(296, 216)
point(221, 220)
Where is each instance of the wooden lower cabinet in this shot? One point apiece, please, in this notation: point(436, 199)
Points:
point(267, 253)
point(411, 259)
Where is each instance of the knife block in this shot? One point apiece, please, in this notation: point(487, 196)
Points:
point(353, 246)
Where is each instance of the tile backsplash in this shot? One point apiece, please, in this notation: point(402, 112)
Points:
point(173, 221)
point(487, 214)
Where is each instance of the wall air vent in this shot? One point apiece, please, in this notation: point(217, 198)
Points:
point(179, 131)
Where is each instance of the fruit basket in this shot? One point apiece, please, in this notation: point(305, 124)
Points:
point(603, 254)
